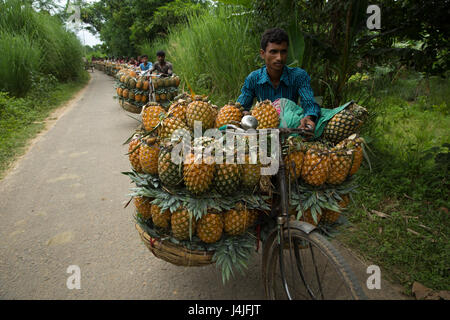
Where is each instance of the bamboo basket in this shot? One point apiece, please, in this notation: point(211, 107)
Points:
point(129, 107)
point(175, 254)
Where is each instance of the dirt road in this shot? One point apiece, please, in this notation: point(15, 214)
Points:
point(62, 205)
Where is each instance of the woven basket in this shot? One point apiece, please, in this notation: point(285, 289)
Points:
point(129, 107)
point(175, 254)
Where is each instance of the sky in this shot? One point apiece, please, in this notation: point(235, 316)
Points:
point(85, 36)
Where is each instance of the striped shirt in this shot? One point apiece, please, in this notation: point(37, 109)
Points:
point(294, 84)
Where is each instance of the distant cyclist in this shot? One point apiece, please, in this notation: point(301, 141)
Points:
point(145, 65)
point(162, 67)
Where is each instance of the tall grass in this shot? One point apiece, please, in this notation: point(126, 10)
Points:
point(20, 57)
point(57, 52)
point(213, 53)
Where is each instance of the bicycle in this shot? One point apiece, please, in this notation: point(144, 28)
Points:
point(295, 274)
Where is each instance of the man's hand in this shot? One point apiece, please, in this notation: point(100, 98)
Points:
point(307, 124)
point(246, 113)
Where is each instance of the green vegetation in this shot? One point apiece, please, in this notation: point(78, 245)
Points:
point(213, 55)
point(22, 118)
point(41, 66)
point(410, 139)
point(35, 44)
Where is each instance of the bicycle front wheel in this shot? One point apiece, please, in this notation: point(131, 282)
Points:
point(310, 269)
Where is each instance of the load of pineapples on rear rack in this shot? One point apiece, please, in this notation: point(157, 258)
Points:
point(196, 212)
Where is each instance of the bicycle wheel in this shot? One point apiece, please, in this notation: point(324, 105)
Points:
point(312, 269)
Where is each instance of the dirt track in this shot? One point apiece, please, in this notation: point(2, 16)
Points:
point(62, 205)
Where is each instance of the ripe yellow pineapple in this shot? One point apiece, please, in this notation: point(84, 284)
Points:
point(178, 110)
point(341, 162)
point(330, 216)
point(151, 116)
point(353, 143)
point(316, 165)
point(169, 125)
point(148, 155)
point(210, 227)
point(200, 110)
point(133, 155)
point(160, 219)
point(232, 112)
point(266, 114)
point(239, 219)
point(181, 220)
point(143, 206)
point(198, 174)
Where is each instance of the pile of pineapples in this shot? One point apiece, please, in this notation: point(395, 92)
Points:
point(168, 194)
point(166, 89)
point(132, 88)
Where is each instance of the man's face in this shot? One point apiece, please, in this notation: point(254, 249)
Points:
point(275, 55)
point(161, 59)
point(144, 60)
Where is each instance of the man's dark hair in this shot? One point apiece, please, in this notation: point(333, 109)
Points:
point(160, 53)
point(144, 56)
point(274, 35)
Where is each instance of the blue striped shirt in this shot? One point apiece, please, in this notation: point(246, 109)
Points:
point(294, 84)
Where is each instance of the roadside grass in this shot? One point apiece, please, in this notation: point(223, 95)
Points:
point(21, 119)
point(409, 136)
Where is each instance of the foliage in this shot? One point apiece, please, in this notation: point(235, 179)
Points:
point(408, 134)
point(338, 43)
point(126, 25)
point(213, 54)
point(35, 42)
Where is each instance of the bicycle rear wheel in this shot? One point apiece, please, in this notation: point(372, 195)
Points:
point(312, 269)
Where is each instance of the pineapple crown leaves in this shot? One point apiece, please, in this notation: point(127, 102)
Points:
point(233, 252)
point(165, 199)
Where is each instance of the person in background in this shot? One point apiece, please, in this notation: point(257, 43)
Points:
point(145, 65)
point(162, 66)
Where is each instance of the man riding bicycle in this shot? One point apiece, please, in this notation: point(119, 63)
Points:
point(275, 80)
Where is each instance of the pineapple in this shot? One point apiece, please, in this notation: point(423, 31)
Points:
point(210, 227)
point(178, 110)
point(266, 114)
point(198, 174)
point(251, 174)
point(151, 116)
point(294, 158)
point(239, 219)
point(181, 220)
point(345, 123)
point(148, 156)
point(169, 125)
point(143, 206)
point(170, 174)
point(133, 155)
point(355, 144)
point(227, 178)
point(330, 216)
point(341, 162)
point(200, 110)
point(228, 114)
point(316, 165)
point(160, 219)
